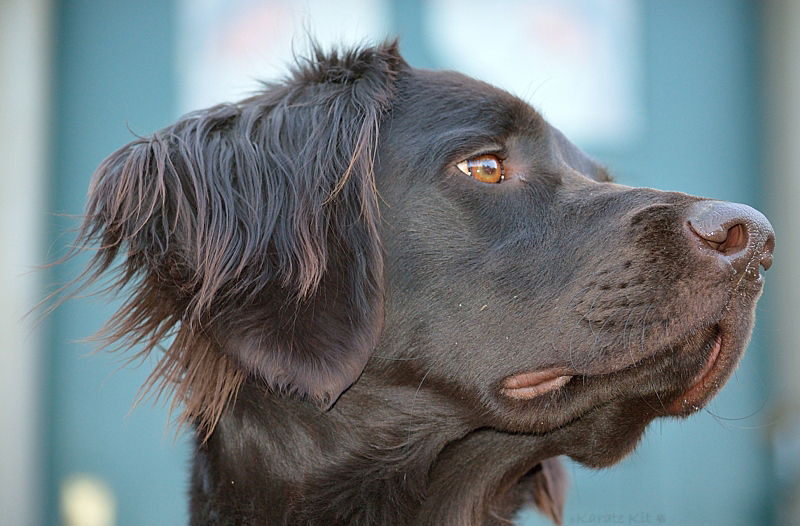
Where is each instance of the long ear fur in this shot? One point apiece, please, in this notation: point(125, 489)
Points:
point(547, 487)
point(250, 236)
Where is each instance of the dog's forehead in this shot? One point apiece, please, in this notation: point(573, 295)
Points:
point(452, 99)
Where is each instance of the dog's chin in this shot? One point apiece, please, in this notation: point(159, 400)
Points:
point(676, 381)
point(722, 353)
point(615, 426)
point(706, 382)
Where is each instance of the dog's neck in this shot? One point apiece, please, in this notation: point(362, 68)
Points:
point(397, 457)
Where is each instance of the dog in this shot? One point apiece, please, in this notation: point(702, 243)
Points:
point(390, 296)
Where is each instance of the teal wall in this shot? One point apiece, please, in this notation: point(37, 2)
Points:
point(115, 75)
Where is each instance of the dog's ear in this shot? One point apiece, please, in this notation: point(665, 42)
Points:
point(547, 487)
point(249, 234)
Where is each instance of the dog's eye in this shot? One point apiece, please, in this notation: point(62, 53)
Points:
point(484, 168)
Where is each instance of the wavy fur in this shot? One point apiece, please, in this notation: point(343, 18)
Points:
point(236, 222)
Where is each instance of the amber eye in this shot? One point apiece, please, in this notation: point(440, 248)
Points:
point(485, 168)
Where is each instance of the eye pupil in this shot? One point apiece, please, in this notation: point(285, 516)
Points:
point(485, 168)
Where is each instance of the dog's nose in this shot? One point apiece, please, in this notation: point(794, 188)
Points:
point(737, 233)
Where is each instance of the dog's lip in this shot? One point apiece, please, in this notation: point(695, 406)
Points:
point(703, 382)
point(531, 384)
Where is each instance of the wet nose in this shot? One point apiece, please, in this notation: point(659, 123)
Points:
point(736, 233)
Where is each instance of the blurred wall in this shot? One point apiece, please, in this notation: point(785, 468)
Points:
point(781, 83)
point(114, 77)
point(25, 71)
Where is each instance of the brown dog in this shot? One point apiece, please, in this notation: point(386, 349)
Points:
point(396, 296)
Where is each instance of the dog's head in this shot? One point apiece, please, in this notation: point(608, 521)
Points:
point(365, 205)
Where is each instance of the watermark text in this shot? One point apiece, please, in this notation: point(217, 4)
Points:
point(642, 517)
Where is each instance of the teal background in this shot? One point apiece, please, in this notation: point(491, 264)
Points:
point(115, 75)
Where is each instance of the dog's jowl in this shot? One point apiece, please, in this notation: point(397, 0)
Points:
point(392, 296)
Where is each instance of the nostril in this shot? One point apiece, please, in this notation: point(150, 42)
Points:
point(736, 241)
point(737, 233)
point(724, 239)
